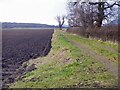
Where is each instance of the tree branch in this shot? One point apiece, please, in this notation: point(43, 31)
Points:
point(92, 3)
point(110, 6)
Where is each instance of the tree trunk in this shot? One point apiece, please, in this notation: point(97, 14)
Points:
point(100, 14)
point(60, 27)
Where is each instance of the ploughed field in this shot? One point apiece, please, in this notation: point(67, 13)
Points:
point(19, 46)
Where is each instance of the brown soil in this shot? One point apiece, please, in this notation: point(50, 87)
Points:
point(20, 46)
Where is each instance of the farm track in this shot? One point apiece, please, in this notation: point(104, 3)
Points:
point(20, 46)
point(109, 65)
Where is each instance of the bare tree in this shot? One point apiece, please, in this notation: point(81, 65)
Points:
point(61, 21)
point(102, 7)
point(81, 14)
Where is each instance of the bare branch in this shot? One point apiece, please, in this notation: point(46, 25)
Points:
point(60, 20)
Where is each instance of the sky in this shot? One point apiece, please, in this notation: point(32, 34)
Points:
point(32, 11)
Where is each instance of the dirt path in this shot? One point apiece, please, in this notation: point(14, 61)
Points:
point(109, 65)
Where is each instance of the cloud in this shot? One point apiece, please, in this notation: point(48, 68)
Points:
point(36, 11)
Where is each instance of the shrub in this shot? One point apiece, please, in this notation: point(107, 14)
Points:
point(105, 33)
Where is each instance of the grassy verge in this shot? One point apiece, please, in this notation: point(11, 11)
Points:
point(106, 49)
point(66, 66)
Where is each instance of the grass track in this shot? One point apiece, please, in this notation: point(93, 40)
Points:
point(109, 50)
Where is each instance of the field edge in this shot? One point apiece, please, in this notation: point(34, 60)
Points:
point(65, 66)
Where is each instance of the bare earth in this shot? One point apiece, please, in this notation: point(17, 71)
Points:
point(20, 46)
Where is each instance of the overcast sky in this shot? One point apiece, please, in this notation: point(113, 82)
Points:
point(32, 11)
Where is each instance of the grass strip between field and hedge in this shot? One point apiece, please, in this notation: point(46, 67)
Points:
point(107, 49)
point(66, 66)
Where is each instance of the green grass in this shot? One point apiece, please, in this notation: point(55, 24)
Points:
point(97, 46)
point(66, 66)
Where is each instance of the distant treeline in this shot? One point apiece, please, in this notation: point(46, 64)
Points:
point(26, 25)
